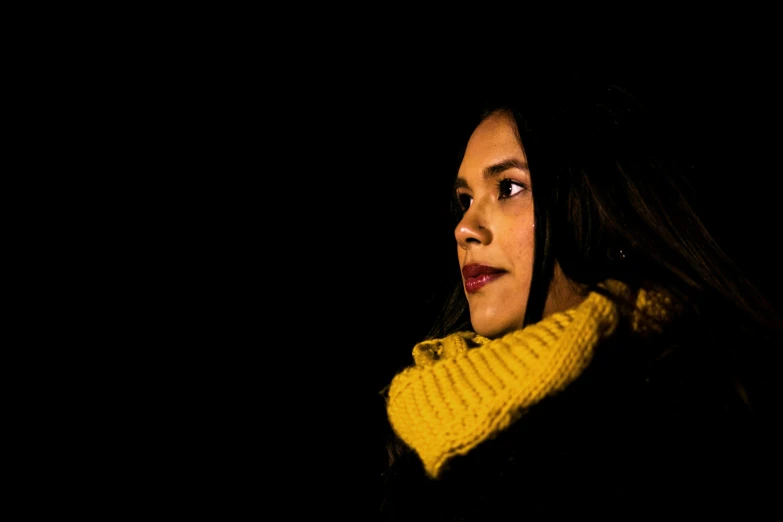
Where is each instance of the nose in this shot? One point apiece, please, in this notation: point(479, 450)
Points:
point(470, 231)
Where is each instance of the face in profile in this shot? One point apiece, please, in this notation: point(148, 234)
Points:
point(495, 237)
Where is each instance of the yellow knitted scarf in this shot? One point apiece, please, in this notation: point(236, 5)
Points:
point(465, 388)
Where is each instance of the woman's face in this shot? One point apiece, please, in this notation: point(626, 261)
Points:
point(495, 236)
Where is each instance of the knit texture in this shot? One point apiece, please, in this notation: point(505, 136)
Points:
point(464, 388)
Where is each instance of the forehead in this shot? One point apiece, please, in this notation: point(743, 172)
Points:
point(494, 140)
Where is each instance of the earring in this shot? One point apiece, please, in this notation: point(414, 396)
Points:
point(617, 255)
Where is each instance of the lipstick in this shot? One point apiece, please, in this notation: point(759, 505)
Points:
point(476, 276)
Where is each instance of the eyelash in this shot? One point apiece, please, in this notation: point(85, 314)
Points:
point(464, 200)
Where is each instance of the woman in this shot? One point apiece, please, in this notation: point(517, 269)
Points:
point(601, 355)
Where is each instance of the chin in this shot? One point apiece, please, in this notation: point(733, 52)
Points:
point(494, 329)
point(491, 319)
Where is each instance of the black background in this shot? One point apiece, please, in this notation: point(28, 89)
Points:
point(280, 233)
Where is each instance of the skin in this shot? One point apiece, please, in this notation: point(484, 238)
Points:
point(497, 229)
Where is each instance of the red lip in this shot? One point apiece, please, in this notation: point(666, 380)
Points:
point(477, 276)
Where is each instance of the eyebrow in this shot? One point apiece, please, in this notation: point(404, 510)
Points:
point(495, 169)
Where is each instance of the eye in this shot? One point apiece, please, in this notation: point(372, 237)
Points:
point(508, 188)
point(464, 201)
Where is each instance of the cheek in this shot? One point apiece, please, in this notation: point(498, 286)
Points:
point(520, 224)
point(524, 240)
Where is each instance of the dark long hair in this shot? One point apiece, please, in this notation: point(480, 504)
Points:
point(614, 197)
